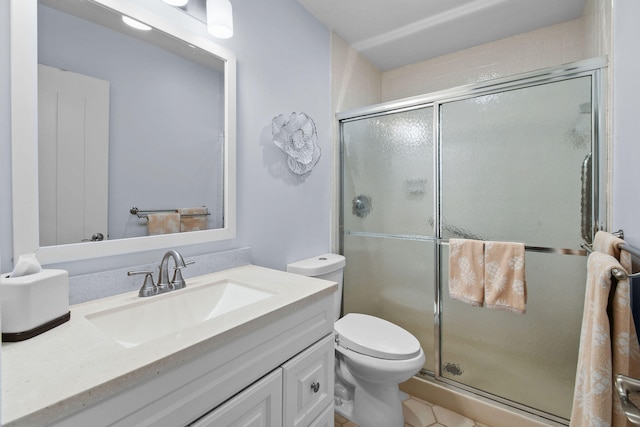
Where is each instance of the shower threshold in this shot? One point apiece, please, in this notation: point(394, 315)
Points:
point(477, 404)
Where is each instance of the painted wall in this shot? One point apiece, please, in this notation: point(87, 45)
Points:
point(283, 59)
point(626, 126)
point(5, 135)
point(5, 139)
point(283, 67)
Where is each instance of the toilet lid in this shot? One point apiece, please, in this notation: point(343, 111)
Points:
point(375, 337)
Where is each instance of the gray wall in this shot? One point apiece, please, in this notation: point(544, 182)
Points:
point(5, 141)
point(5, 137)
point(283, 66)
point(626, 126)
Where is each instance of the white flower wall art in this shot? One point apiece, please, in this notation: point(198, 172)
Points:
point(296, 136)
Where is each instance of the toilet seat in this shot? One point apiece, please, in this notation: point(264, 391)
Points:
point(375, 337)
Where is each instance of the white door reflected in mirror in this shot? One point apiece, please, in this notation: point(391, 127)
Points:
point(73, 147)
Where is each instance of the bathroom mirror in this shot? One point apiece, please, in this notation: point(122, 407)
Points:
point(151, 157)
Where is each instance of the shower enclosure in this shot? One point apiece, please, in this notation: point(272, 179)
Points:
point(508, 160)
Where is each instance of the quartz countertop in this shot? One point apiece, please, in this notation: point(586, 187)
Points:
point(75, 365)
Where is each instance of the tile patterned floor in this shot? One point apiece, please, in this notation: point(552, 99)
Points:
point(419, 413)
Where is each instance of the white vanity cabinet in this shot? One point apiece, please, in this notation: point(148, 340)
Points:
point(300, 393)
point(260, 404)
point(239, 378)
point(308, 384)
point(268, 363)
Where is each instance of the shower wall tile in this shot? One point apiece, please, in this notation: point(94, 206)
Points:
point(597, 22)
point(533, 50)
point(355, 81)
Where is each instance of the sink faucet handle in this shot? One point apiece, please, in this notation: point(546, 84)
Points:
point(178, 281)
point(148, 287)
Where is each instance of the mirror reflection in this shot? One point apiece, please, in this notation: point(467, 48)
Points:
point(127, 118)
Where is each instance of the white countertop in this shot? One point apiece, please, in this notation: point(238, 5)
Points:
point(75, 364)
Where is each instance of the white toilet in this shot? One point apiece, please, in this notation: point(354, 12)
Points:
point(372, 355)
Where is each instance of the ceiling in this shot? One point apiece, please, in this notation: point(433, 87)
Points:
point(394, 33)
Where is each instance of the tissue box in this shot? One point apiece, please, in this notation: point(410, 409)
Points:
point(34, 303)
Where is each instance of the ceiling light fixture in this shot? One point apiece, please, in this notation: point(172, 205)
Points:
point(220, 18)
point(135, 24)
point(177, 3)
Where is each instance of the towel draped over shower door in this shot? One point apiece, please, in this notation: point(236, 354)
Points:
point(608, 342)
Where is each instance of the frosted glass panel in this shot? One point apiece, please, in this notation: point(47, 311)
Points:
point(511, 164)
point(388, 173)
point(530, 358)
point(393, 279)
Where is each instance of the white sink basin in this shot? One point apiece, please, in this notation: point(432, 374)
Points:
point(153, 317)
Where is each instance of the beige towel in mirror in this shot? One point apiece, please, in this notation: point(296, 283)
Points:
point(163, 223)
point(193, 219)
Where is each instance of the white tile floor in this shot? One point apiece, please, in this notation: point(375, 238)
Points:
point(419, 413)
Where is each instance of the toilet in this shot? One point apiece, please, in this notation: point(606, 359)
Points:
point(372, 355)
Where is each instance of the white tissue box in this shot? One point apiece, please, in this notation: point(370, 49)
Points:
point(34, 303)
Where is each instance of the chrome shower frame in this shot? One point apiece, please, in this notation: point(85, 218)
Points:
point(599, 177)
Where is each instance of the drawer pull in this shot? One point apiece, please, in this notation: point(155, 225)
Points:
point(315, 387)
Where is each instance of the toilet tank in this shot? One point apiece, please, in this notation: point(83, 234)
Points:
point(327, 267)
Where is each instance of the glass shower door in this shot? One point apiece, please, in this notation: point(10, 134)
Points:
point(511, 166)
point(388, 220)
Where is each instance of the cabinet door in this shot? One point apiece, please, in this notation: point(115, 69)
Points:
point(260, 405)
point(308, 383)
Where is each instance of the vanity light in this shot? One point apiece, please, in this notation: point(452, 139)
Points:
point(135, 24)
point(220, 18)
point(177, 3)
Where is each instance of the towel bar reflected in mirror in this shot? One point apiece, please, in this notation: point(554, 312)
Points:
point(143, 214)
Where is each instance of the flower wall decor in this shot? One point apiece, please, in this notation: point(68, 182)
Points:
point(296, 136)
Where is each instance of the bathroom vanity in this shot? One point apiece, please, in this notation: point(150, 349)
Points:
point(232, 348)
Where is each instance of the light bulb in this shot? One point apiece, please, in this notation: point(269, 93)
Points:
point(220, 18)
point(177, 3)
point(135, 24)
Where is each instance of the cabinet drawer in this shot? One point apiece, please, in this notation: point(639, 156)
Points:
point(325, 419)
point(260, 404)
point(308, 383)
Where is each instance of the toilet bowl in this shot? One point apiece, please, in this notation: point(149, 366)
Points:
point(372, 355)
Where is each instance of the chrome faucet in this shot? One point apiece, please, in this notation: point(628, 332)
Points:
point(177, 282)
point(164, 285)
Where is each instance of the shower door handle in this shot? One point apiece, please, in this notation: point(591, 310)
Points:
point(586, 201)
point(625, 386)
